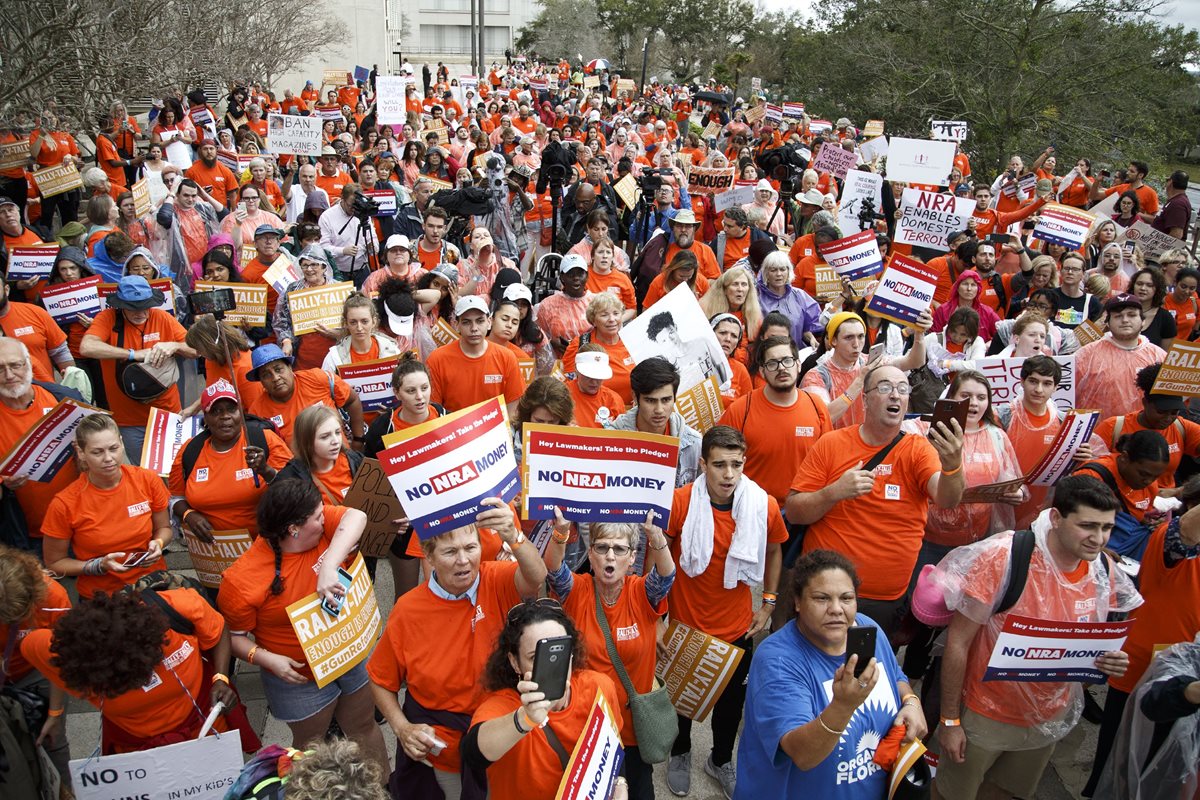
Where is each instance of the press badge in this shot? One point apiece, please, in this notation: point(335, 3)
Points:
point(891, 491)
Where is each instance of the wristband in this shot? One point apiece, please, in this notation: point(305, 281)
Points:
point(770, 598)
point(220, 676)
point(904, 700)
point(183, 518)
point(528, 719)
point(951, 723)
point(563, 539)
point(954, 471)
point(663, 546)
point(130, 354)
point(517, 723)
point(56, 712)
point(250, 655)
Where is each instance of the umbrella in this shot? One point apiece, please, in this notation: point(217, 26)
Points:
point(715, 97)
point(597, 64)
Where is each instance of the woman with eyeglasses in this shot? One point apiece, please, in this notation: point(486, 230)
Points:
point(250, 211)
point(1173, 260)
point(309, 349)
point(631, 605)
point(1181, 302)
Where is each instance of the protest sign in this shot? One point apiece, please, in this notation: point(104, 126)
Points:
point(948, 130)
point(696, 669)
point(756, 114)
point(287, 133)
point(1154, 243)
point(992, 492)
point(793, 111)
point(854, 257)
point(591, 774)
point(330, 112)
point(627, 190)
point(1180, 373)
point(178, 152)
point(443, 468)
point(675, 316)
point(59, 179)
point(928, 218)
point(438, 127)
point(701, 406)
point(164, 285)
point(712, 130)
point(443, 333)
point(204, 121)
point(873, 128)
point(710, 180)
point(386, 198)
point(142, 205)
point(14, 155)
point(31, 262)
point(1088, 331)
point(859, 190)
point(46, 447)
point(251, 299)
point(390, 106)
point(817, 126)
point(756, 85)
point(835, 160)
point(166, 432)
point(1076, 428)
point(361, 73)
point(528, 368)
point(1063, 225)
point(828, 282)
point(336, 77)
point(1004, 375)
point(372, 494)
point(211, 559)
point(281, 274)
point(334, 645)
point(198, 769)
point(740, 196)
point(64, 300)
point(873, 149)
point(626, 86)
point(920, 161)
point(248, 253)
point(773, 112)
point(1030, 649)
point(583, 471)
point(539, 84)
point(372, 380)
point(320, 305)
point(904, 291)
point(591, 81)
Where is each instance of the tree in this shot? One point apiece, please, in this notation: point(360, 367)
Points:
point(701, 34)
point(629, 23)
point(567, 29)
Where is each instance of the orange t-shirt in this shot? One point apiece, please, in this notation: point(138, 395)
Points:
point(222, 487)
point(1184, 314)
point(245, 596)
point(248, 389)
point(459, 381)
point(703, 602)
point(332, 184)
point(735, 249)
point(159, 327)
point(1031, 437)
point(1146, 196)
point(310, 388)
point(1136, 501)
point(740, 384)
point(65, 146)
point(98, 521)
point(591, 410)
point(424, 628)
point(252, 272)
point(1182, 435)
point(802, 248)
point(56, 603)
point(106, 151)
point(613, 281)
point(773, 459)
point(34, 326)
point(34, 497)
point(884, 560)
point(532, 770)
point(804, 275)
point(336, 481)
point(218, 180)
point(657, 290)
point(618, 359)
point(941, 265)
point(429, 258)
point(709, 267)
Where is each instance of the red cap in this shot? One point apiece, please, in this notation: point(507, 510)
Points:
point(222, 389)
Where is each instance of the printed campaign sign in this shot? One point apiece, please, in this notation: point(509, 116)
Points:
point(248, 253)
point(372, 494)
point(57, 180)
point(793, 111)
point(854, 257)
point(873, 149)
point(361, 73)
point(595, 762)
point(1089, 331)
point(1180, 373)
point(386, 199)
point(1154, 243)
point(948, 130)
point(198, 769)
point(928, 218)
point(166, 432)
point(774, 112)
point(281, 274)
point(64, 300)
point(46, 447)
point(14, 155)
point(528, 369)
point(696, 669)
point(288, 133)
point(320, 305)
point(372, 380)
point(443, 333)
point(251, 299)
point(211, 559)
point(390, 106)
point(583, 471)
point(858, 189)
point(443, 469)
point(1004, 374)
point(710, 180)
point(164, 285)
point(920, 161)
point(1076, 429)
point(334, 645)
point(816, 126)
point(904, 291)
point(31, 262)
point(142, 204)
point(1064, 225)
point(873, 128)
point(328, 112)
point(835, 160)
point(701, 406)
point(740, 196)
point(335, 77)
point(1030, 649)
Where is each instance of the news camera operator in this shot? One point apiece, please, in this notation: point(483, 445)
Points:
point(347, 234)
point(595, 174)
point(657, 215)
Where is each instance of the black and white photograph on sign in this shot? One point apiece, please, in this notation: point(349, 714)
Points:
point(676, 329)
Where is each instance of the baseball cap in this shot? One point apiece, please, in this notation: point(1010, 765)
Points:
point(267, 229)
point(518, 291)
point(397, 240)
point(571, 261)
point(447, 271)
point(593, 365)
point(471, 302)
point(221, 390)
point(1122, 301)
point(6, 201)
point(1166, 402)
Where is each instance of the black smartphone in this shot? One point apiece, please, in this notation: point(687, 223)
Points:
point(998, 238)
point(551, 663)
point(946, 410)
point(860, 641)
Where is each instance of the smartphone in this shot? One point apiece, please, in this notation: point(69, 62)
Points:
point(551, 663)
point(998, 238)
point(875, 352)
point(946, 410)
point(242, 206)
point(333, 605)
point(135, 558)
point(860, 641)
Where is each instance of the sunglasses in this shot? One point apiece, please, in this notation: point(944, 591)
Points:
point(537, 602)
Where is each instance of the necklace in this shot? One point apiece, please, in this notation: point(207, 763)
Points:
point(613, 602)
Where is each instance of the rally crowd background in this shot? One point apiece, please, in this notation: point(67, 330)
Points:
point(538, 209)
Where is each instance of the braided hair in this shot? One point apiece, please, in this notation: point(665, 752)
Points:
point(284, 504)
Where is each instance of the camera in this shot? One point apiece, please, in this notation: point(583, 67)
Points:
point(651, 182)
point(215, 301)
point(495, 172)
point(363, 206)
point(867, 214)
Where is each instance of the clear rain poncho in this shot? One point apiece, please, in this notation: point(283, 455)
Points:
point(973, 579)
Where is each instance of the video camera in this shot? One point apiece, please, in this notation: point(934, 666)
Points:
point(557, 160)
point(786, 165)
point(363, 206)
point(867, 214)
point(651, 181)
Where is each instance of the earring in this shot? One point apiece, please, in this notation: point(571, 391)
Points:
point(295, 534)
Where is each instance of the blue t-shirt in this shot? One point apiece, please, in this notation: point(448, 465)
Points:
point(791, 681)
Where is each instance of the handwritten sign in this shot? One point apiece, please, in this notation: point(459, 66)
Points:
point(1180, 373)
point(251, 299)
point(372, 380)
point(372, 494)
point(31, 262)
point(318, 306)
point(46, 447)
point(166, 433)
point(835, 160)
point(948, 130)
point(856, 256)
point(904, 291)
point(1004, 375)
point(873, 128)
point(211, 559)
point(734, 197)
point(1030, 649)
point(710, 180)
point(64, 300)
point(1076, 429)
point(287, 133)
point(696, 670)
point(928, 218)
point(334, 645)
point(57, 180)
point(1153, 242)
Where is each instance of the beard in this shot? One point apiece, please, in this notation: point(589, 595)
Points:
point(16, 392)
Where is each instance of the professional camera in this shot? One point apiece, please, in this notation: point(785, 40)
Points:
point(867, 214)
point(786, 165)
point(363, 206)
point(494, 165)
point(557, 161)
point(651, 181)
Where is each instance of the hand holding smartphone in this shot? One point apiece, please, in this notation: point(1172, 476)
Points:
point(333, 603)
point(860, 641)
point(135, 558)
point(551, 665)
point(945, 411)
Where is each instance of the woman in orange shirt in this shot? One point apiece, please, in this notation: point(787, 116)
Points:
point(363, 342)
point(321, 455)
point(1133, 470)
point(683, 268)
point(728, 330)
point(735, 293)
point(605, 312)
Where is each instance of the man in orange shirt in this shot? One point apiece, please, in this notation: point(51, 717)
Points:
point(987, 220)
point(524, 121)
point(34, 327)
point(49, 147)
point(836, 495)
point(1135, 179)
point(683, 232)
point(432, 249)
point(595, 403)
point(473, 369)
point(733, 242)
point(15, 232)
point(291, 102)
point(211, 175)
point(331, 177)
point(287, 392)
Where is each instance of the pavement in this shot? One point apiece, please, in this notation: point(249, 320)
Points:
point(1062, 780)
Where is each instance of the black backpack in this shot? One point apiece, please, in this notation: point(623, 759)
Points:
point(256, 436)
point(148, 587)
point(1018, 569)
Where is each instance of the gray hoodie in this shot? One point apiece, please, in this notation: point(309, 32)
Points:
point(689, 443)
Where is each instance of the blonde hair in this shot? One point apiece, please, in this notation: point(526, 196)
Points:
point(1097, 285)
point(617, 530)
point(202, 337)
point(304, 430)
point(22, 586)
point(1047, 261)
point(715, 302)
point(603, 301)
point(336, 768)
point(359, 300)
point(93, 424)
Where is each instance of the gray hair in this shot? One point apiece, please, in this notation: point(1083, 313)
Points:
point(93, 177)
point(617, 530)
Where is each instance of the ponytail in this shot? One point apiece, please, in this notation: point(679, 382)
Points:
point(277, 583)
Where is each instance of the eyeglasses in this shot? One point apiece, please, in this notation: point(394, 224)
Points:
point(13, 366)
point(548, 602)
point(776, 364)
point(619, 550)
point(887, 387)
point(1072, 269)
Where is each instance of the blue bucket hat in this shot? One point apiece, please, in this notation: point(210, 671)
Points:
point(134, 293)
point(263, 355)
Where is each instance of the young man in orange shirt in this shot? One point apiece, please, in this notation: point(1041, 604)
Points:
point(287, 392)
point(432, 249)
point(216, 178)
point(1136, 180)
point(595, 403)
point(473, 369)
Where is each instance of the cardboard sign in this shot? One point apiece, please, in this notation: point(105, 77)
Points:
point(14, 155)
point(920, 161)
point(948, 130)
point(696, 669)
point(199, 769)
point(591, 81)
point(31, 262)
point(740, 196)
point(1030, 649)
point(904, 291)
point(755, 114)
point(992, 492)
point(859, 190)
point(372, 494)
point(596, 760)
point(1004, 375)
point(1064, 225)
point(334, 645)
point(288, 133)
point(142, 204)
point(626, 86)
point(57, 180)
point(46, 447)
point(166, 433)
point(251, 299)
point(372, 380)
point(335, 77)
point(386, 198)
point(928, 218)
point(211, 559)
point(1154, 243)
point(854, 257)
point(1180, 373)
point(443, 333)
point(583, 471)
point(64, 300)
point(443, 468)
point(712, 130)
point(873, 128)
point(834, 160)
point(320, 305)
point(710, 180)
point(164, 285)
point(281, 274)
point(1076, 429)
point(701, 406)
point(873, 149)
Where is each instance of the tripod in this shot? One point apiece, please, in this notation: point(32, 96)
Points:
point(364, 232)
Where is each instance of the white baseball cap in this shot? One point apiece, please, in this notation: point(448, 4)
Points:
point(593, 365)
point(518, 291)
point(572, 261)
point(397, 240)
point(471, 301)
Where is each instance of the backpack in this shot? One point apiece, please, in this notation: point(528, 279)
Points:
point(1129, 535)
point(256, 436)
point(148, 587)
